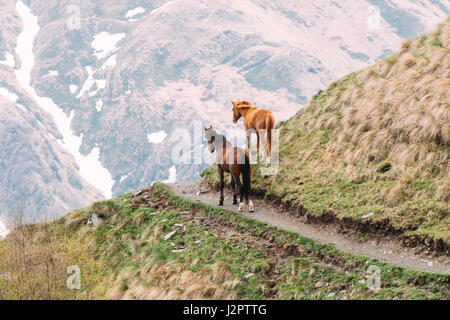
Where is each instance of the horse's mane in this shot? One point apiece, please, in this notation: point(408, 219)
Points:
point(245, 103)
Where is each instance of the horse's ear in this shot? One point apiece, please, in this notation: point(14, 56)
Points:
point(211, 127)
point(233, 103)
point(206, 129)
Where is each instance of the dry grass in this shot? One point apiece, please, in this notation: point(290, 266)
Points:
point(443, 193)
point(29, 264)
point(34, 261)
point(221, 272)
point(169, 281)
point(137, 261)
point(403, 115)
point(163, 282)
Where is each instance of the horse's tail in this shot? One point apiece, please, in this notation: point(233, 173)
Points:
point(270, 121)
point(246, 175)
point(246, 160)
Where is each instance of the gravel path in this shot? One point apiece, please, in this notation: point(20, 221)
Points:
point(387, 250)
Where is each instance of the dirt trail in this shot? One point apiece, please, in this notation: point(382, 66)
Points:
point(387, 250)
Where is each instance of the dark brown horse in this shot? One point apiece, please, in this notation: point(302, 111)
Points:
point(235, 161)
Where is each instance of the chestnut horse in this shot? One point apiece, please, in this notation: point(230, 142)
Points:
point(233, 160)
point(256, 119)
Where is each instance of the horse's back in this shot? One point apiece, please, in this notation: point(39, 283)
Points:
point(258, 119)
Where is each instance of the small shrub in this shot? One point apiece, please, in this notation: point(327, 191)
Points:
point(405, 45)
point(317, 95)
point(408, 61)
point(385, 167)
point(422, 40)
point(437, 43)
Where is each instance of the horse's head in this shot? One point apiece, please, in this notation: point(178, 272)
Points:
point(236, 113)
point(210, 136)
point(239, 109)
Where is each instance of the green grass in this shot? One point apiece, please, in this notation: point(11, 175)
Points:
point(281, 264)
point(342, 277)
point(437, 43)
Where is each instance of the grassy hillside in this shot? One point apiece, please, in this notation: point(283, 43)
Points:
point(134, 253)
point(377, 143)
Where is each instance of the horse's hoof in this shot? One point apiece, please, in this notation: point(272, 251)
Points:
point(235, 202)
point(267, 161)
point(220, 203)
point(251, 208)
point(241, 207)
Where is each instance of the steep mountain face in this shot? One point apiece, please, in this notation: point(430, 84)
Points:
point(128, 70)
point(44, 176)
point(36, 172)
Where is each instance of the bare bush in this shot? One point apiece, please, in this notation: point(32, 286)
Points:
point(34, 259)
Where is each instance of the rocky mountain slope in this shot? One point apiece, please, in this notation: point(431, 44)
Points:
point(125, 71)
point(36, 173)
point(372, 150)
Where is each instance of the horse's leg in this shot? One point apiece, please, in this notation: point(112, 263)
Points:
point(248, 139)
point(269, 127)
point(222, 185)
point(263, 142)
point(240, 187)
point(251, 207)
point(257, 145)
point(233, 185)
point(268, 146)
point(246, 191)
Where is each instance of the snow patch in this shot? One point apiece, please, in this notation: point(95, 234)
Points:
point(133, 12)
point(90, 81)
point(73, 88)
point(53, 73)
point(3, 230)
point(99, 105)
point(8, 95)
point(101, 84)
point(41, 125)
point(9, 60)
point(162, 7)
point(172, 175)
point(105, 43)
point(157, 137)
point(21, 107)
point(90, 166)
point(111, 62)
